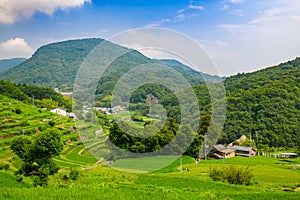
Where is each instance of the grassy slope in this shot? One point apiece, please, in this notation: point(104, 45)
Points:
point(274, 179)
point(30, 121)
point(271, 176)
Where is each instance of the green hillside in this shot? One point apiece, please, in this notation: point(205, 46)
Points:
point(42, 97)
point(56, 65)
point(265, 102)
point(53, 65)
point(20, 118)
point(6, 64)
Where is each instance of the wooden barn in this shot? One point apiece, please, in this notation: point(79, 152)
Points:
point(289, 155)
point(243, 151)
point(221, 152)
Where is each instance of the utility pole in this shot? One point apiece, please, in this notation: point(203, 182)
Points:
point(256, 134)
point(205, 146)
point(180, 163)
point(32, 102)
point(250, 139)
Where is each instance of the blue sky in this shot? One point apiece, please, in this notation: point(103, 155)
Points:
point(239, 35)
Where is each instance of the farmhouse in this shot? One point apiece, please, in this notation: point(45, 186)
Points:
point(219, 151)
point(63, 112)
point(59, 111)
point(243, 151)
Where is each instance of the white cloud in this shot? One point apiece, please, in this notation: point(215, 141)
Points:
point(16, 10)
point(236, 1)
point(181, 17)
point(196, 7)
point(181, 11)
point(16, 47)
point(157, 23)
point(225, 7)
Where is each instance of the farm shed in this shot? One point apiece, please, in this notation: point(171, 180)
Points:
point(289, 155)
point(244, 151)
point(219, 151)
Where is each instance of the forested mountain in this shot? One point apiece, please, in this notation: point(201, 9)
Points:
point(56, 65)
point(6, 64)
point(266, 102)
point(53, 65)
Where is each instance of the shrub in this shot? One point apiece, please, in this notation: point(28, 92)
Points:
point(40, 181)
point(18, 111)
point(6, 167)
point(51, 123)
point(24, 123)
point(232, 175)
point(19, 178)
point(74, 173)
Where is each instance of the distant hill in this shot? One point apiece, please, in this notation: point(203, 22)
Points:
point(6, 64)
point(56, 65)
point(53, 65)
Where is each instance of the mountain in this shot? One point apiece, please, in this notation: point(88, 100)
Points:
point(266, 103)
point(56, 64)
point(53, 65)
point(6, 64)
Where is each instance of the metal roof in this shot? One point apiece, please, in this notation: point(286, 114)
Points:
point(219, 147)
point(289, 154)
point(242, 148)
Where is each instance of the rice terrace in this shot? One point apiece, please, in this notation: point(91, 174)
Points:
point(149, 99)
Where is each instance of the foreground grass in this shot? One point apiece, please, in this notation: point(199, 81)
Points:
point(100, 182)
point(106, 183)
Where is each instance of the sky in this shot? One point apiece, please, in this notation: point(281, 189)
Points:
point(238, 35)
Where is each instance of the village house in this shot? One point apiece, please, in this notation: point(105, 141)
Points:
point(63, 112)
point(109, 111)
point(243, 151)
point(221, 152)
point(59, 111)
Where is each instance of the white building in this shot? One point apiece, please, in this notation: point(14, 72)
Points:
point(59, 111)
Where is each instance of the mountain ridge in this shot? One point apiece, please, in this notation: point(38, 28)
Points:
point(6, 64)
point(56, 64)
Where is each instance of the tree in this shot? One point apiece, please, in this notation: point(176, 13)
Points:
point(37, 155)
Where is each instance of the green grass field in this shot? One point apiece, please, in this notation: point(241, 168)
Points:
point(273, 179)
point(105, 183)
point(130, 178)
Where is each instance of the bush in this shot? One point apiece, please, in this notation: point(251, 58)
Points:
point(6, 167)
point(232, 175)
point(18, 111)
point(74, 173)
point(40, 181)
point(19, 178)
point(51, 123)
point(24, 123)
